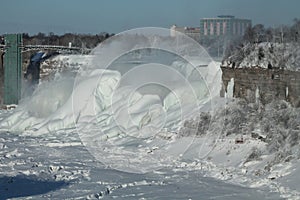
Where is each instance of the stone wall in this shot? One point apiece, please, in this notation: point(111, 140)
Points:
point(263, 84)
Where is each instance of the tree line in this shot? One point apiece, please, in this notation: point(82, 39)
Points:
point(241, 47)
point(284, 33)
point(77, 40)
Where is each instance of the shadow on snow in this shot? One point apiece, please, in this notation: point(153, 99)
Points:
point(22, 186)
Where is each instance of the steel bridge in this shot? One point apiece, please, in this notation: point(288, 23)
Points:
point(60, 49)
point(13, 48)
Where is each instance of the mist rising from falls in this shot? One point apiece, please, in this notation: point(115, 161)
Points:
point(137, 89)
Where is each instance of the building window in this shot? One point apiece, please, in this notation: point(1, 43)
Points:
point(205, 28)
point(218, 28)
point(224, 28)
point(233, 28)
point(211, 28)
point(243, 28)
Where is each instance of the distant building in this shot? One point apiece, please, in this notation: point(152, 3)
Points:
point(189, 31)
point(223, 25)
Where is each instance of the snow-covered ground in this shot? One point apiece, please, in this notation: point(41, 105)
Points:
point(142, 120)
point(60, 167)
point(258, 145)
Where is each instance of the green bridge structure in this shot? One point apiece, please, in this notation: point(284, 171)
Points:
point(12, 62)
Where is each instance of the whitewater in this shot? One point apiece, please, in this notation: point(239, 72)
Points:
point(127, 123)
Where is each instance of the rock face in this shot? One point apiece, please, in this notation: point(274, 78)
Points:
point(263, 84)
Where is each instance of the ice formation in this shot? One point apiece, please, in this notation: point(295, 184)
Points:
point(136, 89)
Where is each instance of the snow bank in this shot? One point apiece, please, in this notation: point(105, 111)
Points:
point(258, 146)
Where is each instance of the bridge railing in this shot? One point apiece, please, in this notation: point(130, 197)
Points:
point(61, 49)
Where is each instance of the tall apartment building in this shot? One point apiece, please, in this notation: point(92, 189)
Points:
point(215, 33)
point(224, 25)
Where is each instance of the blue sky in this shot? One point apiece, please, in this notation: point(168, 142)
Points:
point(114, 16)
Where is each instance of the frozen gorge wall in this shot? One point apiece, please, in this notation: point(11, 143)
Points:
point(270, 84)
